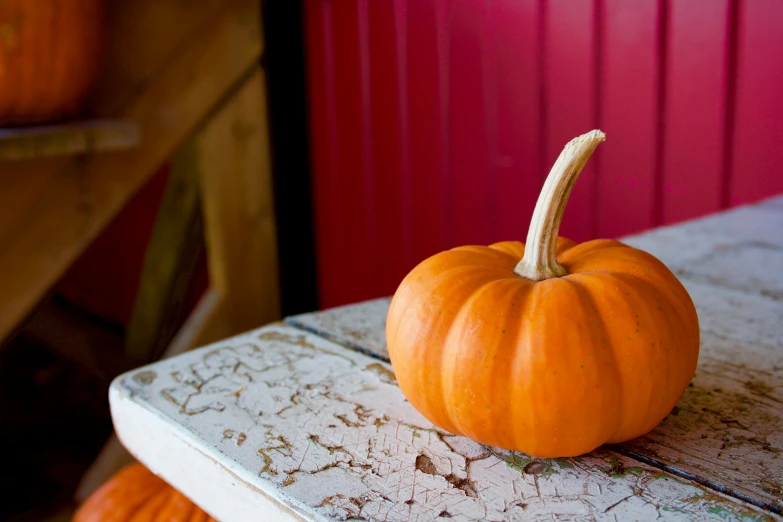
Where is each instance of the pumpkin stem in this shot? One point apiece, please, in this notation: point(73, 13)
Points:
point(540, 259)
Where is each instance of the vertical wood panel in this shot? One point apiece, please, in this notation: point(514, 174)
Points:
point(694, 112)
point(629, 79)
point(569, 68)
point(757, 166)
point(427, 117)
point(389, 264)
point(468, 126)
point(233, 159)
point(516, 160)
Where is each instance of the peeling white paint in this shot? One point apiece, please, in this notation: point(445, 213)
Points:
point(323, 433)
point(282, 424)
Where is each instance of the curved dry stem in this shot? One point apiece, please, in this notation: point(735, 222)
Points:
point(540, 260)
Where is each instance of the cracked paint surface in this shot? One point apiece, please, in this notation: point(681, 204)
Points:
point(728, 426)
point(327, 428)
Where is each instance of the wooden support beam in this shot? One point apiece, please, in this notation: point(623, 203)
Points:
point(235, 168)
point(170, 264)
point(66, 139)
point(55, 208)
point(231, 159)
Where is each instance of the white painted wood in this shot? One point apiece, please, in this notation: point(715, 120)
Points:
point(729, 426)
point(740, 248)
point(360, 326)
point(775, 202)
point(281, 424)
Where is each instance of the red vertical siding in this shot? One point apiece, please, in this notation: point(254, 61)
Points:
point(516, 97)
point(472, 180)
point(386, 158)
point(694, 114)
point(322, 144)
point(434, 122)
point(570, 100)
point(426, 122)
point(628, 115)
point(757, 155)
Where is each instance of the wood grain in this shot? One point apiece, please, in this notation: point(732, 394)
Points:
point(55, 208)
point(146, 37)
point(234, 166)
point(170, 263)
point(66, 139)
point(727, 426)
point(284, 425)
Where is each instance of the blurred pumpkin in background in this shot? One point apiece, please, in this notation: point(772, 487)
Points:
point(50, 54)
point(135, 494)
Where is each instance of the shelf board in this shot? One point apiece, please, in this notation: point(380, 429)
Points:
point(66, 139)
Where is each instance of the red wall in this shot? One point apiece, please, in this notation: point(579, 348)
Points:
point(434, 122)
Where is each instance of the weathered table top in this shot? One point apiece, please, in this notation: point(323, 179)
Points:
point(303, 420)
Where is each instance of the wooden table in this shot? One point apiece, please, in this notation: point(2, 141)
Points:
point(302, 420)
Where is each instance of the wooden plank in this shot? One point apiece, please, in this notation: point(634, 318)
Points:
point(170, 263)
point(726, 429)
point(727, 426)
point(145, 37)
point(361, 326)
point(756, 155)
point(285, 425)
point(710, 249)
point(66, 139)
point(734, 404)
point(205, 324)
point(62, 206)
point(775, 202)
point(629, 116)
point(695, 109)
point(234, 165)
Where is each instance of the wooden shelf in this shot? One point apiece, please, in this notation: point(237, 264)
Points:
point(66, 139)
point(50, 211)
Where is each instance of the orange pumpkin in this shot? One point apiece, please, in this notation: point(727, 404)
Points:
point(551, 348)
point(134, 494)
point(49, 57)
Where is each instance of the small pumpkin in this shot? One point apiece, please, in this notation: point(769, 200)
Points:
point(49, 57)
point(134, 494)
point(551, 348)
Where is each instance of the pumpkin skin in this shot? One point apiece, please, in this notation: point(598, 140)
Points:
point(134, 494)
point(551, 368)
point(49, 57)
